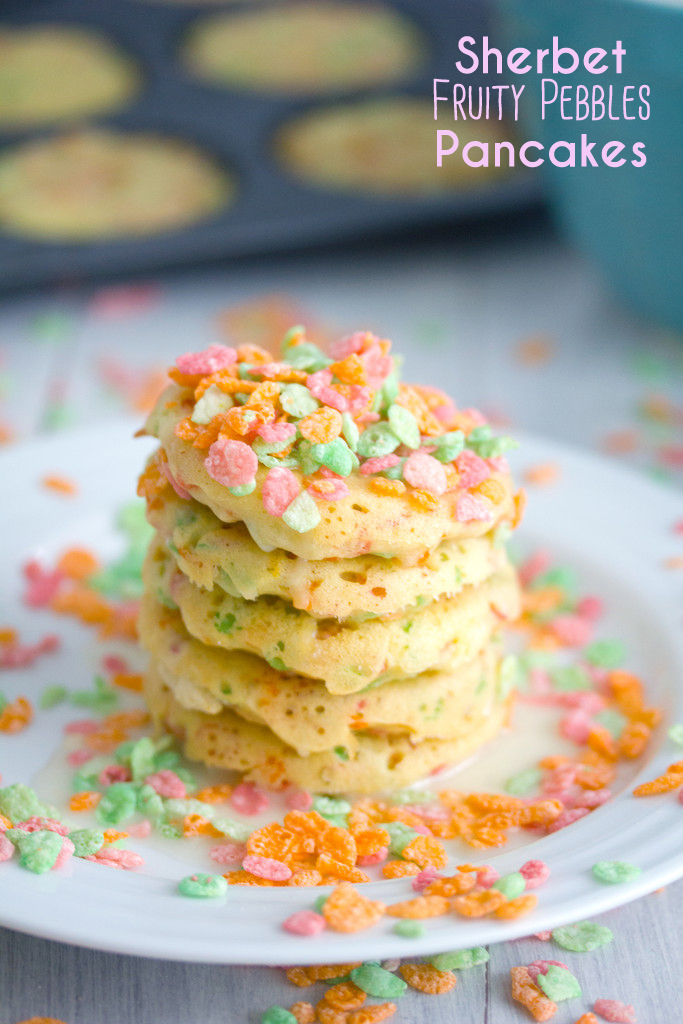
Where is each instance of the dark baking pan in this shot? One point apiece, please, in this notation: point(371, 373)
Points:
point(273, 211)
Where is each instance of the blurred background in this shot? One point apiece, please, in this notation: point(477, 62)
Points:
point(178, 172)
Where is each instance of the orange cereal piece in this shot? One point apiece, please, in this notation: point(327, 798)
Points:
point(15, 716)
point(198, 825)
point(306, 877)
point(519, 502)
point(273, 841)
point(521, 905)
point(493, 490)
point(529, 995)
point(420, 907)
point(335, 869)
point(321, 426)
point(600, 740)
point(456, 885)
point(85, 800)
point(128, 681)
point(587, 1018)
point(345, 996)
point(543, 473)
point(323, 972)
point(60, 484)
point(544, 812)
point(634, 739)
point(78, 563)
point(350, 370)
point(346, 910)
point(662, 784)
point(400, 869)
point(300, 977)
point(308, 823)
point(340, 844)
point(478, 903)
point(371, 841)
point(485, 838)
point(8, 636)
point(425, 850)
point(372, 1014)
point(5, 822)
point(427, 979)
point(330, 1014)
point(42, 1020)
point(382, 485)
point(627, 691)
point(215, 794)
point(485, 803)
point(244, 878)
point(303, 1012)
point(184, 380)
point(425, 501)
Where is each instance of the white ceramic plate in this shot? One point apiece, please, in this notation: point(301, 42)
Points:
point(614, 527)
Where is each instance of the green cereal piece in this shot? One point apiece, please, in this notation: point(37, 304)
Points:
point(50, 697)
point(226, 623)
point(297, 400)
point(375, 981)
point(123, 752)
point(583, 937)
point(3, 701)
point(320, 903)
point(149, 803)
point(413, 796)
point(482, 433)
point(524, 782)
point(330, 805)
point(235, 830)
point(460, 959)
point(512, 885)
point(187, 777)
point(377, 439)
point(449, 445)
point(404, 425)
point(243, 489)
point(614, 872)
point(307, 356)
point(142, 758)
point(19, 802)
point(508, 675)
point(350, 431)
point(39, 850)
point(261, 447)
point(179, 808)
point(495, 446)
point(605, 653)
point(560, 576)
point(612, 720)
point(168, 831)
point(203, 887)
point(342, 753)
point(86, 841)
point(83, 781)
point(292, 337)
point(570, 678)
point(165, 759)
point(278, 1015)
point(118, 803)
point(336, 455)
point(302, 514)
point(390, 387)
point(101, 699)
point(559, 984)
point(409, 929)
point(675, 733)
point(400, 836)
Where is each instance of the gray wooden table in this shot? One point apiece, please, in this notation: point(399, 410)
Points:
point(461, 313)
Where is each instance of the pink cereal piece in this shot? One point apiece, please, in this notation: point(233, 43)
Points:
point(590, 608)
point(560, 779)
point(680, 796)
point(140, 829)
point(213, 358)
point(298, 800)
point(318, 384)
point(79, 757)
point(328, 490)
point(167, 784)
point(127, 860)
point(305, 923)
point(115, 664)
point(350, 344)
point(586, 700)
point(377, 366)
point(498, 464)
point(468, 508)
point(379, 463)
point(65, 854)
point(372, 858)
point(279, 490)
point(228, 853)
point(425, 878)
point(615, 1011)
point(539, 681)
point(43, 584)
point(486, 876)
point(473, 470)
point(534, 566)
point(274, 433)
point(267, 867)
point(477, 417)
point(576, 726)
point(567, 817)
point(22, 655)
point(593, 798)
point(231, 463)
point(36, 824)
point(360, 397)
point(6, 848)
point(543, 936)
point(422, 830)
point(181, 491)
point(114, 773)
point(541, 967)
point(535, 872)
point(82, 727)
point(248, 799)
point(572, 630)
point(426, 473)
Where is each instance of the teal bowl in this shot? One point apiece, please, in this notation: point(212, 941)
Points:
point(628, 220)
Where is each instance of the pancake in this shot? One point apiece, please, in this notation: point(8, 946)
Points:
point(434, 705)
point(99, 184)
point(305, 48)
point(347, 657)
point(385, 146)
point(226, 740)
point(52, 72)
point(365, 522)
point(223, 555)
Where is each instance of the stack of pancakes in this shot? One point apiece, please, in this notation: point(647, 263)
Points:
point(360, 653)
